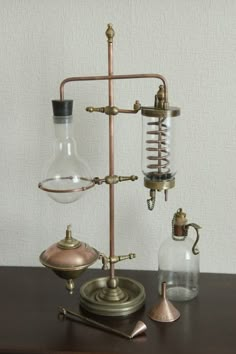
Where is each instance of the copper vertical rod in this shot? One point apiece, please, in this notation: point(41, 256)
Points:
point(114, 77)
point(111, 159)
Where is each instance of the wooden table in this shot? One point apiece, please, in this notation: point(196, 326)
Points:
point(29, 322)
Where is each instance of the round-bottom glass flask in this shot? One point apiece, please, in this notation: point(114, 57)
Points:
point(66, 174)
point(178, 262)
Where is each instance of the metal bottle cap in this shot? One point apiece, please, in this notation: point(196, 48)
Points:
point(178, 223)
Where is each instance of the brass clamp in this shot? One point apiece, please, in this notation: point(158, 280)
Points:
point(111, 260)
point(114, 179)
point(196, 228)
point(113, 110)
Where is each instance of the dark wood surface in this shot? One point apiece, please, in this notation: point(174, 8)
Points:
point(29, 322)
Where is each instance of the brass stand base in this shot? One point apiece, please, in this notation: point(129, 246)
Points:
point(112, 295)
point(97, 298)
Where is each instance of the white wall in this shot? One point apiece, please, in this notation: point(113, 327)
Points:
point(193, 44)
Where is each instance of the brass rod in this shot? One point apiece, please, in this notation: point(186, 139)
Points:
point(114, 77)
point(92, 322)
point(111, 161)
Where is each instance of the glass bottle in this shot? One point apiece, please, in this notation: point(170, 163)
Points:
point(178, 261)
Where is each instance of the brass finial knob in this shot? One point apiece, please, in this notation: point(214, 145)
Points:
point(160, 97)
point(68, 242)
point(110, 33)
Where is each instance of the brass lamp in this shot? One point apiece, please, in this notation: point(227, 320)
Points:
point(69, 258)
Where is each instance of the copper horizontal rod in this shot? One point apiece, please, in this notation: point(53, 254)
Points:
point(130, 111)
point(114, 77)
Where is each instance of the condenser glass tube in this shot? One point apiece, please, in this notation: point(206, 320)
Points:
point(157, 150)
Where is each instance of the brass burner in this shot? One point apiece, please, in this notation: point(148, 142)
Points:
point(110, 295)
point(96, 297)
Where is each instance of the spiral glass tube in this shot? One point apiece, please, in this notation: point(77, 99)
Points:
point(157, 152)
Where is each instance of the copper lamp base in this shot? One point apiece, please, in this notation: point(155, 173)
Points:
point(96, 297)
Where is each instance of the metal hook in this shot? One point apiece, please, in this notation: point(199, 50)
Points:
point(105, 261)
point(196, 228)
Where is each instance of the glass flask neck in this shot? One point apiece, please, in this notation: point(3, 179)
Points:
point(178, 238)
point(64, 129)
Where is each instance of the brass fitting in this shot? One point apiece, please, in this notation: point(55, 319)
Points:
point(157, 186)
point(70, 285)
point(68, 242)
point(109, 110)
point(110, 33)
point(137, 105)
point(160, 99)
point(110, 260)
point(151, 201)
point(95, 109)
point(114, 179)
point(111, 179)
point(113, 110)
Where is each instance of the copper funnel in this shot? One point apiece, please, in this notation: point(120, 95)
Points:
point(164, 311)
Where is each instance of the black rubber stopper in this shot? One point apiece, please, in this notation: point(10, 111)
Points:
point(62, 108)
